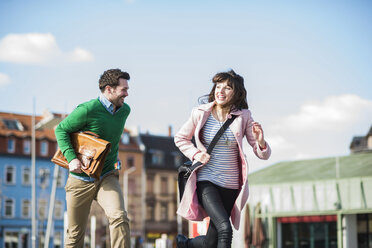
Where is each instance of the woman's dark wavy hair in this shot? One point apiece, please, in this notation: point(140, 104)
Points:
point(236, 82)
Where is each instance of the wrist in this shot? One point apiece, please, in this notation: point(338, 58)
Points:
point(262, 145)
point(193, 157)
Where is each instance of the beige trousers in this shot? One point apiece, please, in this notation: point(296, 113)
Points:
point(107, 192)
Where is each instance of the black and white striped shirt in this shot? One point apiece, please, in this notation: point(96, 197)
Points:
point(222, 168)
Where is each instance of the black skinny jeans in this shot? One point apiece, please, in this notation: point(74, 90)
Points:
point(218, 203)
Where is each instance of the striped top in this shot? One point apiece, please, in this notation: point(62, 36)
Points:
point(222, 168)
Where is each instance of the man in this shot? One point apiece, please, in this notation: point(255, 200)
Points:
point(106, 117)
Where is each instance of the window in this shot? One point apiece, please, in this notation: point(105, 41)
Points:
point(177, 159)
point(11, 239)
point(26, 146)
point(42, 208)
point(150, 184)
point(164, 185)
point(24, 239)
point(163, 211)
point(364, 230)
point(157, 157)
point(60, 178)
point(44, 175)
point(10, 175)
point(41, 239)
point(125, 138)
point(11, 145)
point(150, 214)
point(26, 176)
point(58, 210)
point(130, 162)
point(309, 234)
point(26, 209)
point(44, 148)
point(57, 240)
point(9, 208)
point(13, 124)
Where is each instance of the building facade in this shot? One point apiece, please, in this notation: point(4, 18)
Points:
point(311, 203)
point(161, 161)
point(16, 178)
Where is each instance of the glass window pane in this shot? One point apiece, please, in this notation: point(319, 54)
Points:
point(26, 176)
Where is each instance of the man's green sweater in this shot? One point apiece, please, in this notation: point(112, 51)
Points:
point(93, 116)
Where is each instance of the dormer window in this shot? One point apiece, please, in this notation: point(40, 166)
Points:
point(125, 138)
point(157, 157)
point(13, 124)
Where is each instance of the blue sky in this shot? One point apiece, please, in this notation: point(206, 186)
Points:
point(306, 64)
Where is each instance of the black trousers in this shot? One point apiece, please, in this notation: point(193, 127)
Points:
point(218, 203)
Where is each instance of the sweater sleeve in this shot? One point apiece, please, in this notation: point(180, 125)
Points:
point(74, 122)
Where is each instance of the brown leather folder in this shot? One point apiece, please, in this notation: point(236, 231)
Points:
point(89, 149)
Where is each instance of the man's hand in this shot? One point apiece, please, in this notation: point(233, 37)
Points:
point(202, 157)
point(75, 165)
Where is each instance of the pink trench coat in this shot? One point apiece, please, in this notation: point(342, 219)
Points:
point(189, 207)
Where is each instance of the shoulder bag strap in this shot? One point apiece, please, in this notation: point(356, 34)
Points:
point(215, 139)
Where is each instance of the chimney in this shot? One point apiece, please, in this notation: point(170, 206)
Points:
point(170, 131)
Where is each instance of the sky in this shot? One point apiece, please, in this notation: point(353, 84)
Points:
point(306, 64)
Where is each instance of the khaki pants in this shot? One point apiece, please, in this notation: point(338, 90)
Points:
point(107, 192)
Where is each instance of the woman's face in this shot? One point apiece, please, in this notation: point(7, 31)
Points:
point(223, 93)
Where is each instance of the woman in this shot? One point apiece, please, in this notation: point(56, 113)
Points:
point(219, 187)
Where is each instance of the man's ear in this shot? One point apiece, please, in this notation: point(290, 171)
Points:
point(108, 89)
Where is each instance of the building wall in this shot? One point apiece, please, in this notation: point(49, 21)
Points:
point(369, 142)
point(134, 200)
point(339, 197)
point(20, 191)
point(163, 199)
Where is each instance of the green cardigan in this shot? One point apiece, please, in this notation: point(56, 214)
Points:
point(93, 116)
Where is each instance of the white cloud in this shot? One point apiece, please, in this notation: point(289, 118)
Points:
point(4, 79)
point(80, 55)
point(37, 48)
point(335, 112)
point(279, 142)
point(320, 128)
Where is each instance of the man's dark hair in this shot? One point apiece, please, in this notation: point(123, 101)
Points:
point(111, 77)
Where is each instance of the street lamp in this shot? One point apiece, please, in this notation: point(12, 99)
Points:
point(125, 185)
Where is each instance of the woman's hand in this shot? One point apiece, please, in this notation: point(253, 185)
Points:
point(202, 157)
point(258, 134)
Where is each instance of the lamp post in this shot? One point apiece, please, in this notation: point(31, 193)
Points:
point(125, 185)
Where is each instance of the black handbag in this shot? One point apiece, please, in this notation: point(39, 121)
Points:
point(184, 171)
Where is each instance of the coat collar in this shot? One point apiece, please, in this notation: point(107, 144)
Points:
point(208, 108)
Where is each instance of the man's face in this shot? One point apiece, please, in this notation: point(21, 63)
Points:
point(118, 94)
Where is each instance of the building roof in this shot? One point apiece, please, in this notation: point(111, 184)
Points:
point(369, 132)
point(164, 145)
point(131, 145)
point(20, 125)
point(360, 143)
point(354, 165)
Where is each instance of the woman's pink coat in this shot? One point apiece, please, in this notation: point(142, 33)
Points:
point(189, 207)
